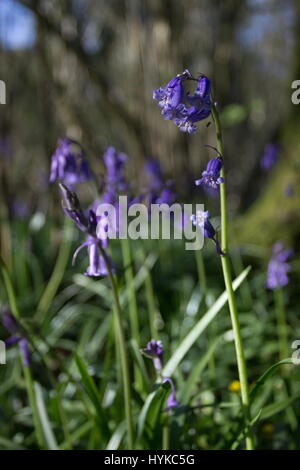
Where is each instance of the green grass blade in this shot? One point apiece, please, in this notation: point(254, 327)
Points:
point(93, 393)
point(151, 409)
point(44, 419)
point(198, 329)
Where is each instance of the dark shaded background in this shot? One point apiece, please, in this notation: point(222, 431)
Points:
point(87, 69)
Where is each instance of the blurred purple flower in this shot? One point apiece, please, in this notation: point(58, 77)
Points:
point(279, 267)
point(201, 219)
point(115, 180)
point(12, 326)
point(172, 401)
point(158, 190)
point(289, 190)
point(20, 209)
point(154, 350)
point(270, 156)
point(68, 166)
point(211, 176)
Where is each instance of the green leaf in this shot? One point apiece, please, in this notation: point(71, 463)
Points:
point(151, 409)
point(140, 362)
point(44, 419)
point(93, 393)
point(117, 437)
point(198, 329)
point(266, 375)
point(197, 370)
point(275, 408)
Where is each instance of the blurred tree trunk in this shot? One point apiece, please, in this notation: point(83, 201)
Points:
point(275, 215)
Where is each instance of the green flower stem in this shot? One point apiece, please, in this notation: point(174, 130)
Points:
point(201, 273)
point(58, 271)
point(281, 324)
point(132, 304)
point(129, 278)
point(241, 363)
point(152, 309)
point(166, 433)
point(26, 370)
point(123, 352)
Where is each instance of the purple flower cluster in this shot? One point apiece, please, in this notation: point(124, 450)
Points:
point(270, 156)
point(88, 225)
point(201, 219)
point(68, 165)
point(154, 350)
point(12, 326)
point(279, 267)
point(158, 191)
point(181, 108)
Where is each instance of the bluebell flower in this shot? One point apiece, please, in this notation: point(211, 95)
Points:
point(270, 156)
point(279, 267)
point(154, 350)
point(201, 219)
point(171, 96)
point(201, 97)
point(172, 402)
point(88, 225)
point(13, 327)
point(211, 176)
point(69, 166)
point(185, 110)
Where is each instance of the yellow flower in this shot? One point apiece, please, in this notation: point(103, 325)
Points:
point(235, 386)
point(268, 429)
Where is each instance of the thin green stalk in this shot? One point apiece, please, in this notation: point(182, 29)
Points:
point(166, 434)
point(281, 324)
point(123, 356)
point(241, 363)
point(58, 271)
point(203, 289)
point(150, 299)
point(130, 287)
point(201, 273)
point(132, 304)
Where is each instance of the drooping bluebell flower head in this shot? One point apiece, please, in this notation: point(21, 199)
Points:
point(185, 110)
point(115, 180)
point(201, 219)
point(68, 165)
point(154, 350)
point(172, 402)
point(270, 156)
point(158, 190)
point(14, 329)
point(88, 225)
point(211, 176)
point(279, 267)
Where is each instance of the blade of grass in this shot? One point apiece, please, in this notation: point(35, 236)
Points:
point(198, 329)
